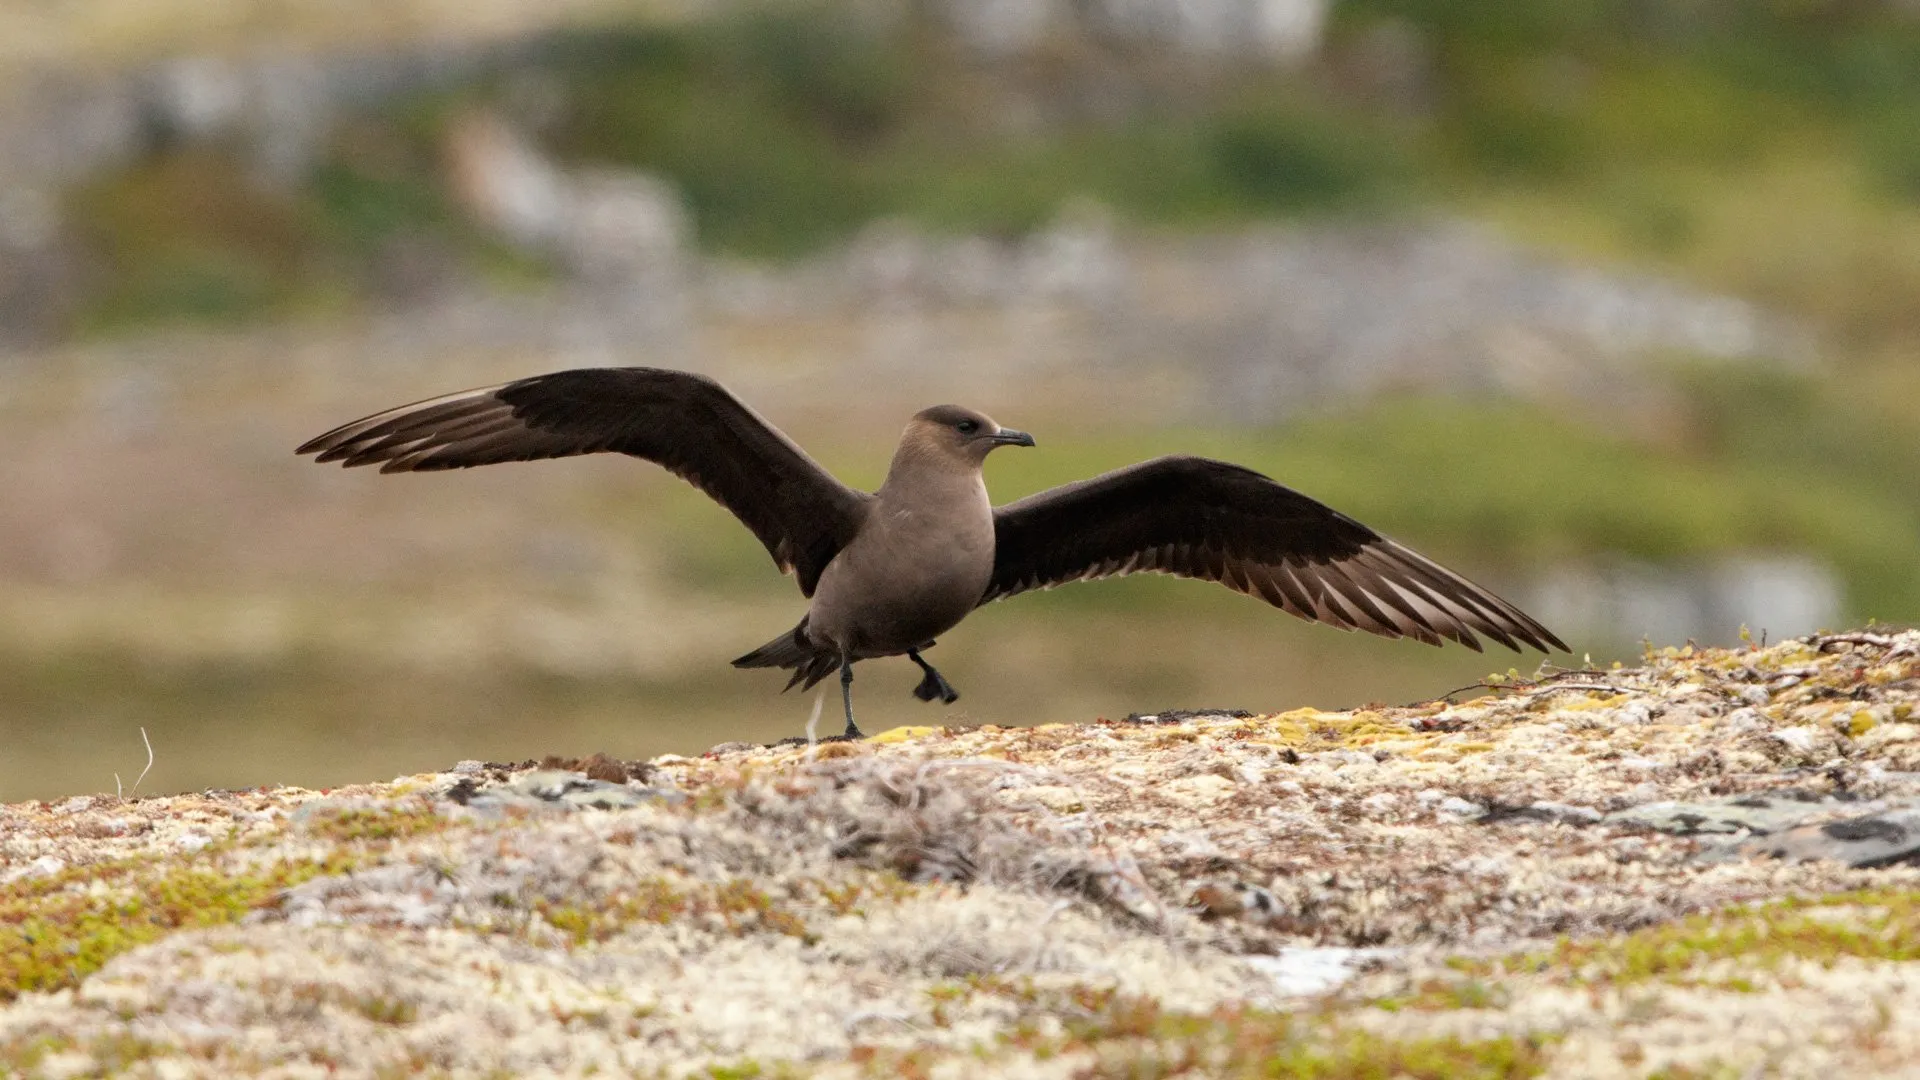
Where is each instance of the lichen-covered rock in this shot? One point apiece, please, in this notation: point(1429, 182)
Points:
point(1588, 873)
point(1880, 839)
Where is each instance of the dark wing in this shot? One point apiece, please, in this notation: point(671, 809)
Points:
point(1206, 519)
point(686, 422)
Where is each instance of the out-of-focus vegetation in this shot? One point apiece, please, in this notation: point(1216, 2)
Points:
point(190, 236)
point(790, 130)
point(1659, 132)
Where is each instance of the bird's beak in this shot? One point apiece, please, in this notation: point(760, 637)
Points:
point(1010, 437)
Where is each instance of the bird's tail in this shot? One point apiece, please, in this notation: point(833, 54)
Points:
point(794, 650)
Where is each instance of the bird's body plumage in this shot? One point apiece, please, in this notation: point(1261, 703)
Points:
point(890, 571)
point(918, 566)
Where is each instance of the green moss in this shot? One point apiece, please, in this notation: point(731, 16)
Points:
point(754, 1070)
point(22, 1058)
point(737, 906)
point(380, 1009)
point(1446, 995)
point(1134, 1037)
point(741, 906)
point(186, 236)
point(745, 905)
point(1358, 1055)
point(852, 896)
point(56, 931)
point(378, 823)
point(111, 1054)
point(1877, 925)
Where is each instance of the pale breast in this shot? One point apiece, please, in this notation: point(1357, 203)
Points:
point(909, 576)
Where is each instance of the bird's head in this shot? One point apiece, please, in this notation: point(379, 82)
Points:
point(954, 432)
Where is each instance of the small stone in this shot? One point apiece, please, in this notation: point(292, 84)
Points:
point(1459, 807)
point(1800, 739)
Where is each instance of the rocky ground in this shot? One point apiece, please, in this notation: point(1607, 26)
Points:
point(1701, 866)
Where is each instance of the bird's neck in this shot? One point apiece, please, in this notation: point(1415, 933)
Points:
point(917, 479)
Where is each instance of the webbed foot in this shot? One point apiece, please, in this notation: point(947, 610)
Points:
point(934, 685)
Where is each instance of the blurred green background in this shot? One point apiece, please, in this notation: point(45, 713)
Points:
point(1612, 305)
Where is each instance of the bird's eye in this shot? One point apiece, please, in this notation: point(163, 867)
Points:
point(967, 427)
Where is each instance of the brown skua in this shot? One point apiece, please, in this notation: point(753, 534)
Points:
point(889, 571)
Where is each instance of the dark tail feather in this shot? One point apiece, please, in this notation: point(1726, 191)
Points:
point(792, 650)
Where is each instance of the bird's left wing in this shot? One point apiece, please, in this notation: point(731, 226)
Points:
point(1198, 518)
point(685, 422)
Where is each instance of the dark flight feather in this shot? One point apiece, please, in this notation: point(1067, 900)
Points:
point(685, 422)
point(1198, 518)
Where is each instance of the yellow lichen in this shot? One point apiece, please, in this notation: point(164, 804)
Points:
point(906, 734)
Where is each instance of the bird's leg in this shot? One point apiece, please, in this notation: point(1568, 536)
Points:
point(846, 696)
point(934, 685)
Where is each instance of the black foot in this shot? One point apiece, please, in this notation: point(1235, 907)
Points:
point(933, 686)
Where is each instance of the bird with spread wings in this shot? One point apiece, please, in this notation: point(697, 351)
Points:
point(887, 571)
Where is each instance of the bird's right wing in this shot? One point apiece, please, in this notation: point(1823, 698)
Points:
point(1193, 517)
point(685, 422)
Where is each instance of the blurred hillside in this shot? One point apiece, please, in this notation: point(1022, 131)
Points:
point(1612, 305)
